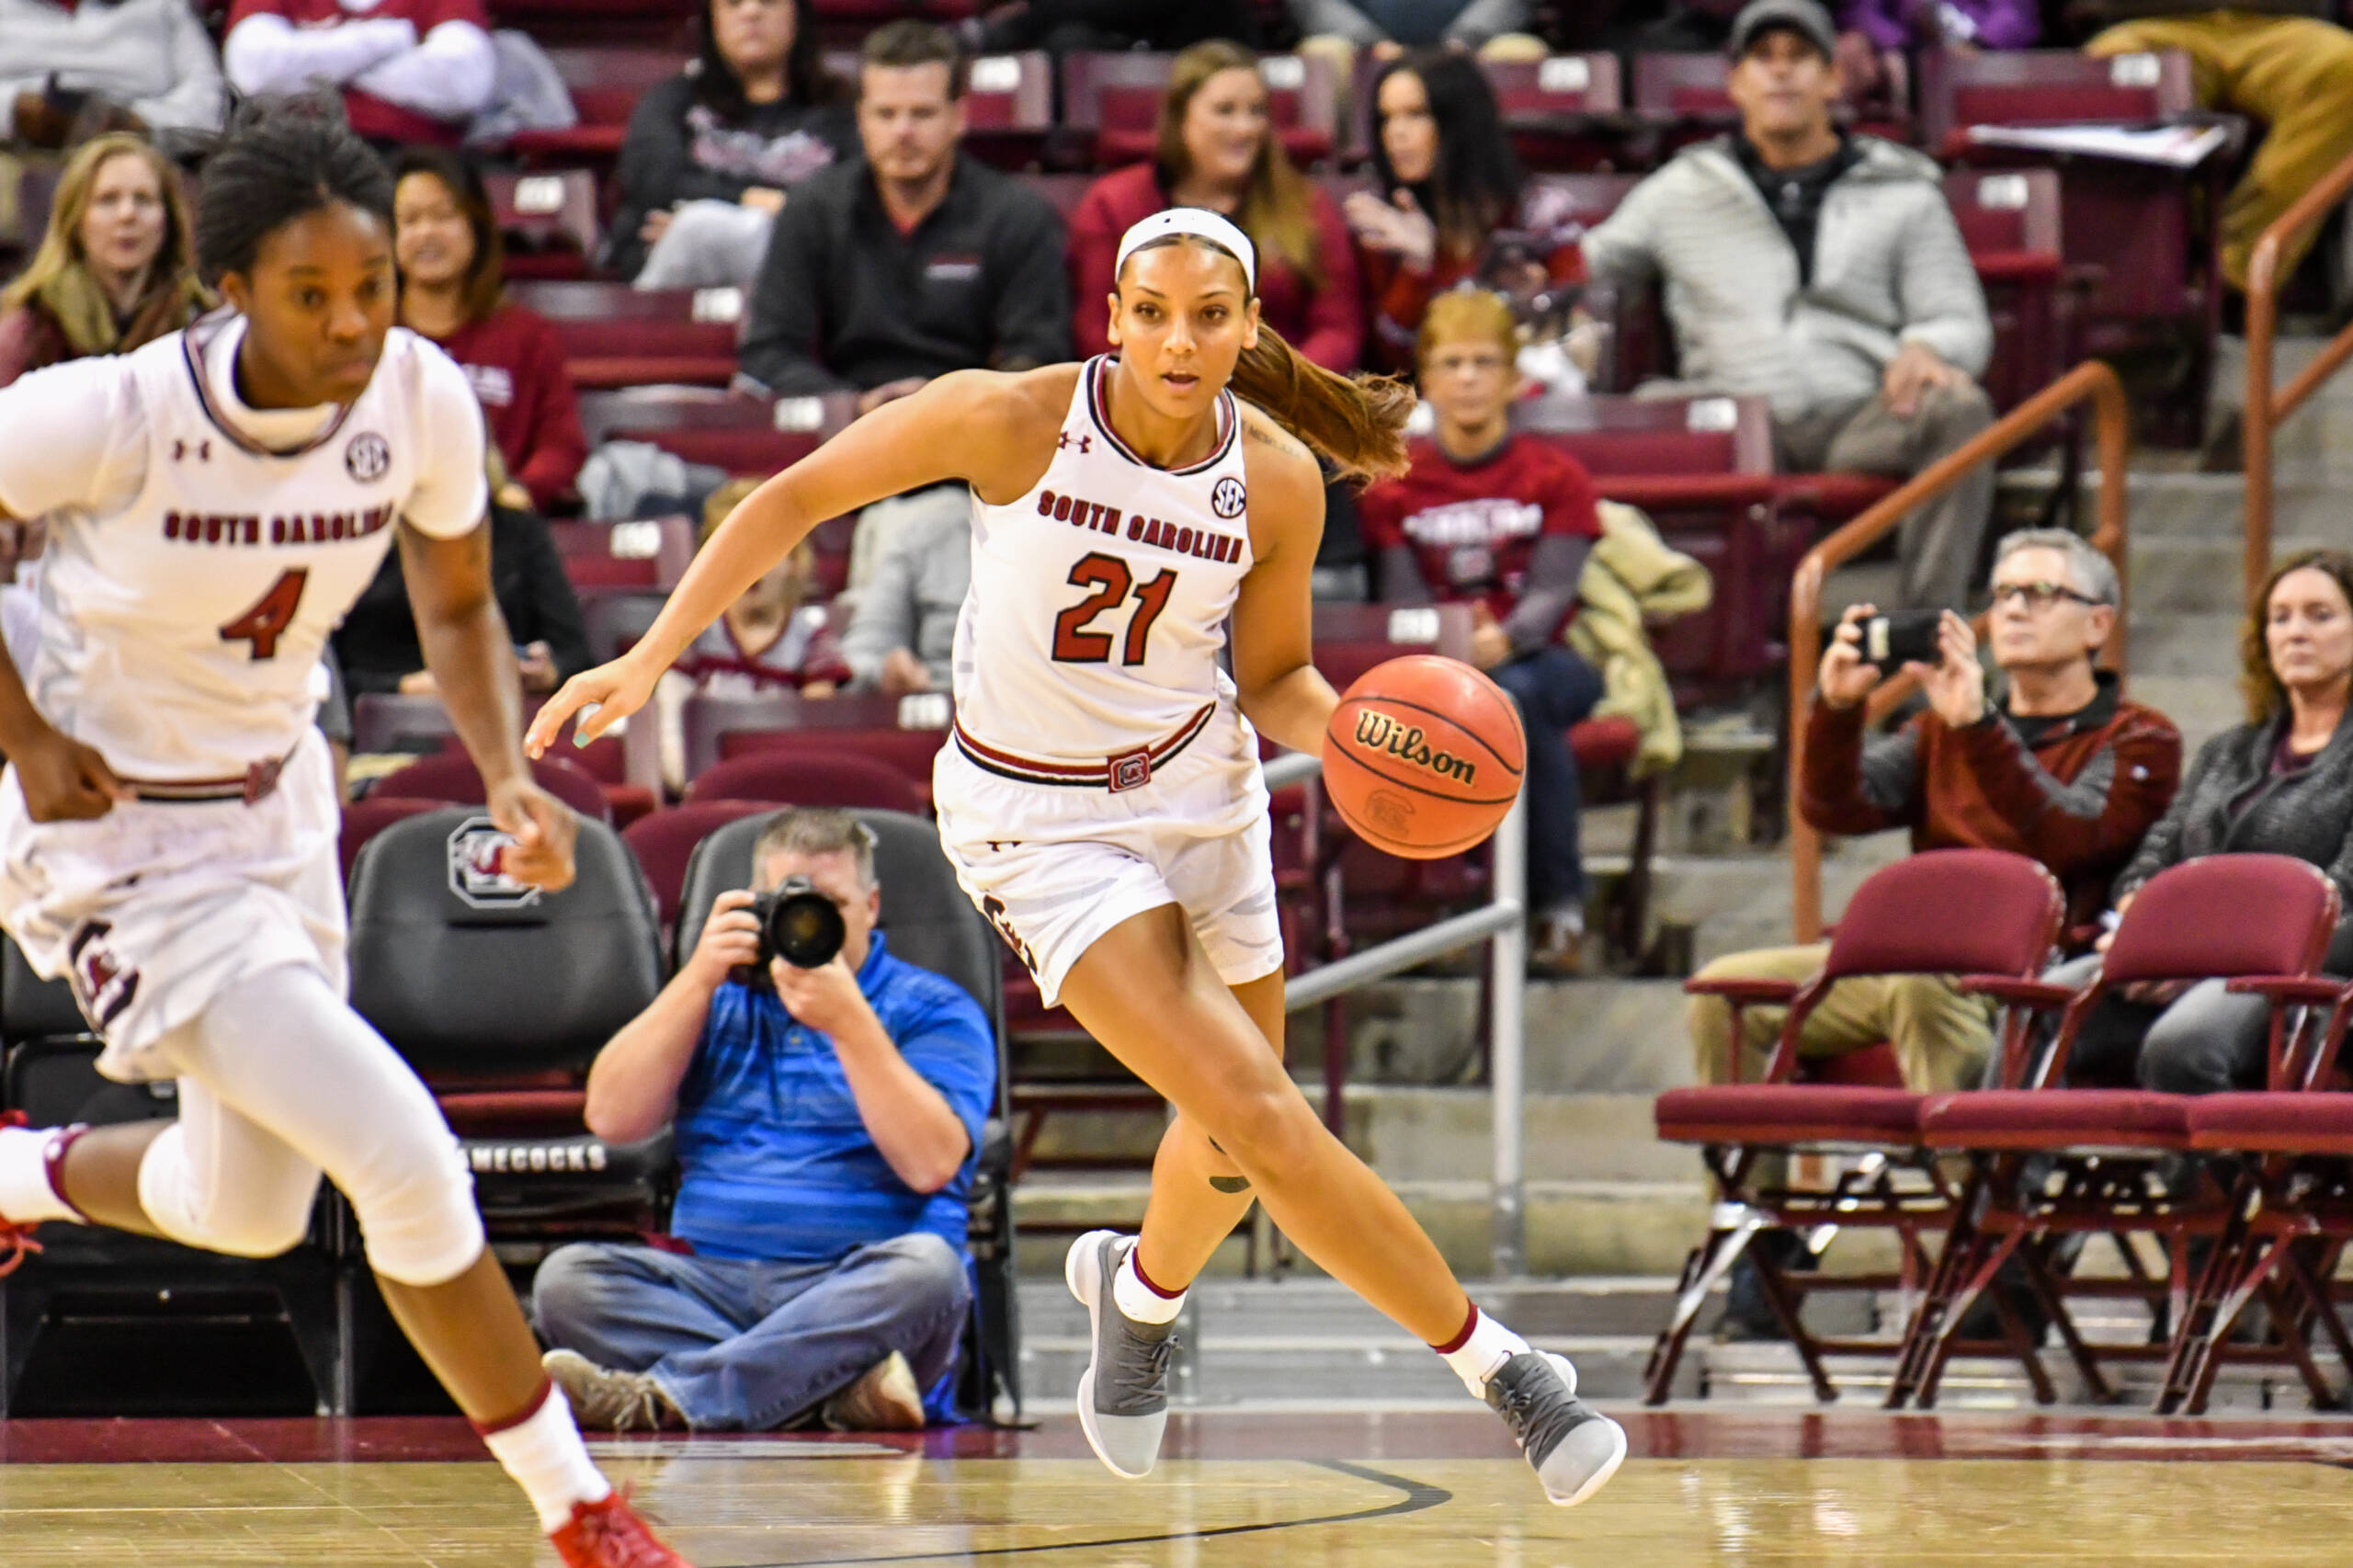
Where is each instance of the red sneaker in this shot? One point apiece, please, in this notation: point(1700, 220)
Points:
point(16, 1241)
point(609, 1534)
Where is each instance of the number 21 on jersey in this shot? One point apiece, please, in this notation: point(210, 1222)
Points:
point(1110, 581)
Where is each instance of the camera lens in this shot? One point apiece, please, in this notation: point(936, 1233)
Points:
point(804, 929)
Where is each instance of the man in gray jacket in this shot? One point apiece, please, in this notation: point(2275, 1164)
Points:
point(1825, 272)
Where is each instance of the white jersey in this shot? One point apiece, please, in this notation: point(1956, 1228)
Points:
point(193, 575)
point(1086, 652)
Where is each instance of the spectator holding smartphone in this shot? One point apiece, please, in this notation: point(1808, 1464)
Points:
point(1502, 522)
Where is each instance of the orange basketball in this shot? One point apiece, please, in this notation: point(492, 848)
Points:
point(1424, 756)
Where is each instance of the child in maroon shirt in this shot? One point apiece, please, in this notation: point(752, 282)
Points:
point(1502, 522)
point(447, 244)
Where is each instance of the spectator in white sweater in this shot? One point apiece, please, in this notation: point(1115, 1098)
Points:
point(410, 71)
point(148, 61)
point(1825, 272)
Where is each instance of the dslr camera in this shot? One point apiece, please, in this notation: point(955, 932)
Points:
point(798, 924)
point(1905, 636)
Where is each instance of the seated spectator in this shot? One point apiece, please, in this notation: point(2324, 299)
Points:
point(1440, 153)
point(2061, 768)
point(2280, 784)
point(885, 273)
point(711, 152)
point(1218, 149)
point(117, 267)
point(775, 633)
point(376, 642)
point(131, 65)
point(1865, 331)
point(1870, 30)
point(1498, 29)
point(2277, 63)
point(1062, 25)
point(453, 281)
point(410, 71)
point(1501, 522)
point(827, 1120)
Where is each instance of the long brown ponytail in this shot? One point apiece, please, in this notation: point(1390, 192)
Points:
point(1357, 422)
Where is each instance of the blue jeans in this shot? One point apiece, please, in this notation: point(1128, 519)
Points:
point(744, 1346)
point(1554, 689)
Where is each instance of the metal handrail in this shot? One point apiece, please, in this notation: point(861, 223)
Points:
point(2091, 381)
point(2267, 405)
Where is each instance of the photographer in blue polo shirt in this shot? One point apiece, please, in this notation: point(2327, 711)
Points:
point(827, 1123)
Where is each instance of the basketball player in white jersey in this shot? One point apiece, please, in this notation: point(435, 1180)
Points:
point(215, 502)
point(1101, 798)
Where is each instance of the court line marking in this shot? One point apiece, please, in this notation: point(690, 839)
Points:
point(1420, 1496)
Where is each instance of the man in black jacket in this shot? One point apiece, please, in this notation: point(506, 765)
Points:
point(885, 273)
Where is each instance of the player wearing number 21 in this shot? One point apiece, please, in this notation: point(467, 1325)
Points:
point(1101, 799)
point(216, 501)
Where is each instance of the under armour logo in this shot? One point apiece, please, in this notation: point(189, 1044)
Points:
point(203, 451)
point(1084, 442)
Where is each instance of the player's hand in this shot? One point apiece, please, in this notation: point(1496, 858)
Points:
point(602, 697)
point(65, 780)
point(731, 939)
point(825, 998)
point(1845, 679)
point(1956, 682)
point(543, 829)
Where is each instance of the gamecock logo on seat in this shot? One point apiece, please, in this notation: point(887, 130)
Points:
point(478, 867)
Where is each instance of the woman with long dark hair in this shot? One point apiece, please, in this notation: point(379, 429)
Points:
point(712, 152)
point(116, 269)
point(1217, 150)
point(1141, 525)
point(444, 239)
point(1448, 180)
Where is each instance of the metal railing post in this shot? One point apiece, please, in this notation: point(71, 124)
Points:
point(1507, 1044)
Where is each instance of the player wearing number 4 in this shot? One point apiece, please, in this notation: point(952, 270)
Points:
point(215, 502)
point(1102, 801)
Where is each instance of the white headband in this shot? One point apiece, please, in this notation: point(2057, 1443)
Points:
point(1198, 222)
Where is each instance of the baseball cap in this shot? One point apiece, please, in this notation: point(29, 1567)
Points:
point(1804, 17)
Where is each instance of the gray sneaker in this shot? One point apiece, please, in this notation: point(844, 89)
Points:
point(1574, 1448)
point(1123, 1393)
point(606, 1401)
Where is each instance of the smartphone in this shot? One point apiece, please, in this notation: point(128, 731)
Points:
point(1905, 636)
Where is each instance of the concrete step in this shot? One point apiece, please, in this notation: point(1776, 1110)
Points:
point(2171, 576)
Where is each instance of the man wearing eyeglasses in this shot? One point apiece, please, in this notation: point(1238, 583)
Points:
point(2057, 765)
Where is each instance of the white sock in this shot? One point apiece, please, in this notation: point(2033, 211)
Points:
point(1482, 1355)
point(545, 1456)
point(1138, 1301)
point(25, 1197)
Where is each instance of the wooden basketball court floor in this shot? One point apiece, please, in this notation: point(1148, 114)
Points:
point(1403, 1488)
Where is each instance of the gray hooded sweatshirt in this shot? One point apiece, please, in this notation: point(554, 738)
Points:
point(1889, 268)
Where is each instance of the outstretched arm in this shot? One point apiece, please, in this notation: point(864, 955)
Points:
point(1283, 692)
point(975, 425)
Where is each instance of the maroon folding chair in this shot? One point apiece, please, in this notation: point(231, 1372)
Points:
point(605, 82)
point(364, 819)
point(2010, 220)
point(806, 776)
point(664, 841)
point(905, 732)
point(2260, 922)
point(649, 554)
point(451, 777)
point(547, 220)
point(615, 337)
point(1899, 922)
point(1114, 100)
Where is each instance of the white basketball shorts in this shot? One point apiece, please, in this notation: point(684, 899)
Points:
point(1054, 868)
point(154, 909)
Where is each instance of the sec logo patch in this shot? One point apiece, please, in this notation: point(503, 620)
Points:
point(1228, 499)
point(367, 458)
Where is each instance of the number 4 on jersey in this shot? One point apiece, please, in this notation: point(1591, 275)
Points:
point(1111, 582)
point(270, 614)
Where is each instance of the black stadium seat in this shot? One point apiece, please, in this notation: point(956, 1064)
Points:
point(500, 1001)
point(932, 925)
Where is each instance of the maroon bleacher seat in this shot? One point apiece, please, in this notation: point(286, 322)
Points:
point(905, 732)
point(1564, 111)
point(605, 82)
point(1115, 99)
point(1895, 924)
point(2009, 220)
point(664, 841)
point(2262, 922)
point(450, 777)
point(645, 23)
point(653, 554)
point(806, 776)
point(614, 335)
point(363, 819)
point(548, 221)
